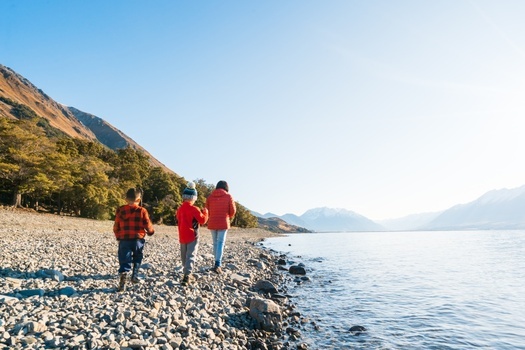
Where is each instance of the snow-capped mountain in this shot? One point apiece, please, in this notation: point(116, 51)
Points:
point(497, 209)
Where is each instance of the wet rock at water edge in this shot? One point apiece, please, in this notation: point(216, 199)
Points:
point(297, 270)
point(357, 330)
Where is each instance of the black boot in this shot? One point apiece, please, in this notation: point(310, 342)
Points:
point(135, 273)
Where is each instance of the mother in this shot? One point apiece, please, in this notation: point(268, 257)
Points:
point(221, 208)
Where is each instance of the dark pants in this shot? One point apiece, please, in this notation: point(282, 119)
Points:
point(130, 252)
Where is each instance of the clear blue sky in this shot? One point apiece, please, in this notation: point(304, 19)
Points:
point(386, 108)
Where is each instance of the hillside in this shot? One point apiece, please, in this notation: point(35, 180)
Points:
point(17, 92)
point(274, 224)
point(20, 99)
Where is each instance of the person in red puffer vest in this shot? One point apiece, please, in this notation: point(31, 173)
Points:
point(221, 207)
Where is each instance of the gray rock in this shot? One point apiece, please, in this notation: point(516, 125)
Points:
point(357, 330)
point(36, 327)
point(137, 343)
point(297, 270)
point(265, 286)
point(266, 313)
point(54, 274)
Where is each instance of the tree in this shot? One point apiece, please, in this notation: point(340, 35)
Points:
point(24, 162)
point(243, 218)
point(162, 194)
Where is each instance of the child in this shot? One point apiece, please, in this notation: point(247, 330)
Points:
point(189, 217)
point(131, 225)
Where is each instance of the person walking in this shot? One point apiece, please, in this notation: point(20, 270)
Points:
point(189, 217)
point(132, 223)
point(221, 207)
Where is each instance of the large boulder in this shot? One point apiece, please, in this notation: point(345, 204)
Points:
point(297, 270)
point(266, 313)
point(265, 287)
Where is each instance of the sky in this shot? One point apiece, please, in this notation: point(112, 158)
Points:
point(385, 108)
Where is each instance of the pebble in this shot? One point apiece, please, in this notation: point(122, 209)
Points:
point(58, 278)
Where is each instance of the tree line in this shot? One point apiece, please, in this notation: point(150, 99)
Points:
point(67, 176)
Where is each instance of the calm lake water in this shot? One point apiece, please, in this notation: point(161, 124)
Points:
point(411, 290)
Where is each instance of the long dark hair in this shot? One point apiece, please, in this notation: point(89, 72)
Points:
point(224, 185)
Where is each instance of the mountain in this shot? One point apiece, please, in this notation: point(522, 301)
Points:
point(275, 224)
point(327, 219)
point(497, 209)
point(330, 219)
point(410, 222)
point(110, 136)
point(20, 99)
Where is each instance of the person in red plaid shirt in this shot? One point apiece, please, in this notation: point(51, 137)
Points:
point(132, 223)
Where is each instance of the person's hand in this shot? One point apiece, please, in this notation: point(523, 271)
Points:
point(205, 210)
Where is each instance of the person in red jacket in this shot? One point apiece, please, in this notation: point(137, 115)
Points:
point(189, 217)
point(131, 225)
point(222, 208)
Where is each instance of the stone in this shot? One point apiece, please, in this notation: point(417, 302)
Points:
point(266, 313)
point(236, 278)
point(357, 330)
point(137, 343)
point(54, 274)
point(281, 262)
point(36, 327)
point(297, 270)
point(265, 286)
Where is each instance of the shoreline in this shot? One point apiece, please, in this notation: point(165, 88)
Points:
point(58, 278)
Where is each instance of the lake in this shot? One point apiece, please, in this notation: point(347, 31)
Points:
point(410, 290)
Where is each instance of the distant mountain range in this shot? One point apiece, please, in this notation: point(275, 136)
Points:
point(328, 219)
point(497, 209)
point(19, 96)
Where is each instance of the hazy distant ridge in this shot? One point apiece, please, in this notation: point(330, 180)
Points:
point(497, 209)
point(329, 219)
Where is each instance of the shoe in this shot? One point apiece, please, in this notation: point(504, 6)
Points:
point(217, 270)
point(135, 273)
point(122, 282)
point(185, 280)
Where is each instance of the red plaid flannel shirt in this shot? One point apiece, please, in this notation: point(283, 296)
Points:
point(132, 222)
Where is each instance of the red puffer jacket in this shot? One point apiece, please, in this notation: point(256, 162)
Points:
point(221, 207)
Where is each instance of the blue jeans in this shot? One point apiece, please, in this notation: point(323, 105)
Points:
point(129, 252)
point(219, 238)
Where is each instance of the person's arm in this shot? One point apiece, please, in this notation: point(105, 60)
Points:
point(148, 226)
point(201, 217)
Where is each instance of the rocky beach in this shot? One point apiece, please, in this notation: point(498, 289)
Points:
point(58, 278)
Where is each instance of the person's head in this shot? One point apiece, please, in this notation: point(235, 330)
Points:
point(222, 185)
point(134, 195)
point(190, 193)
